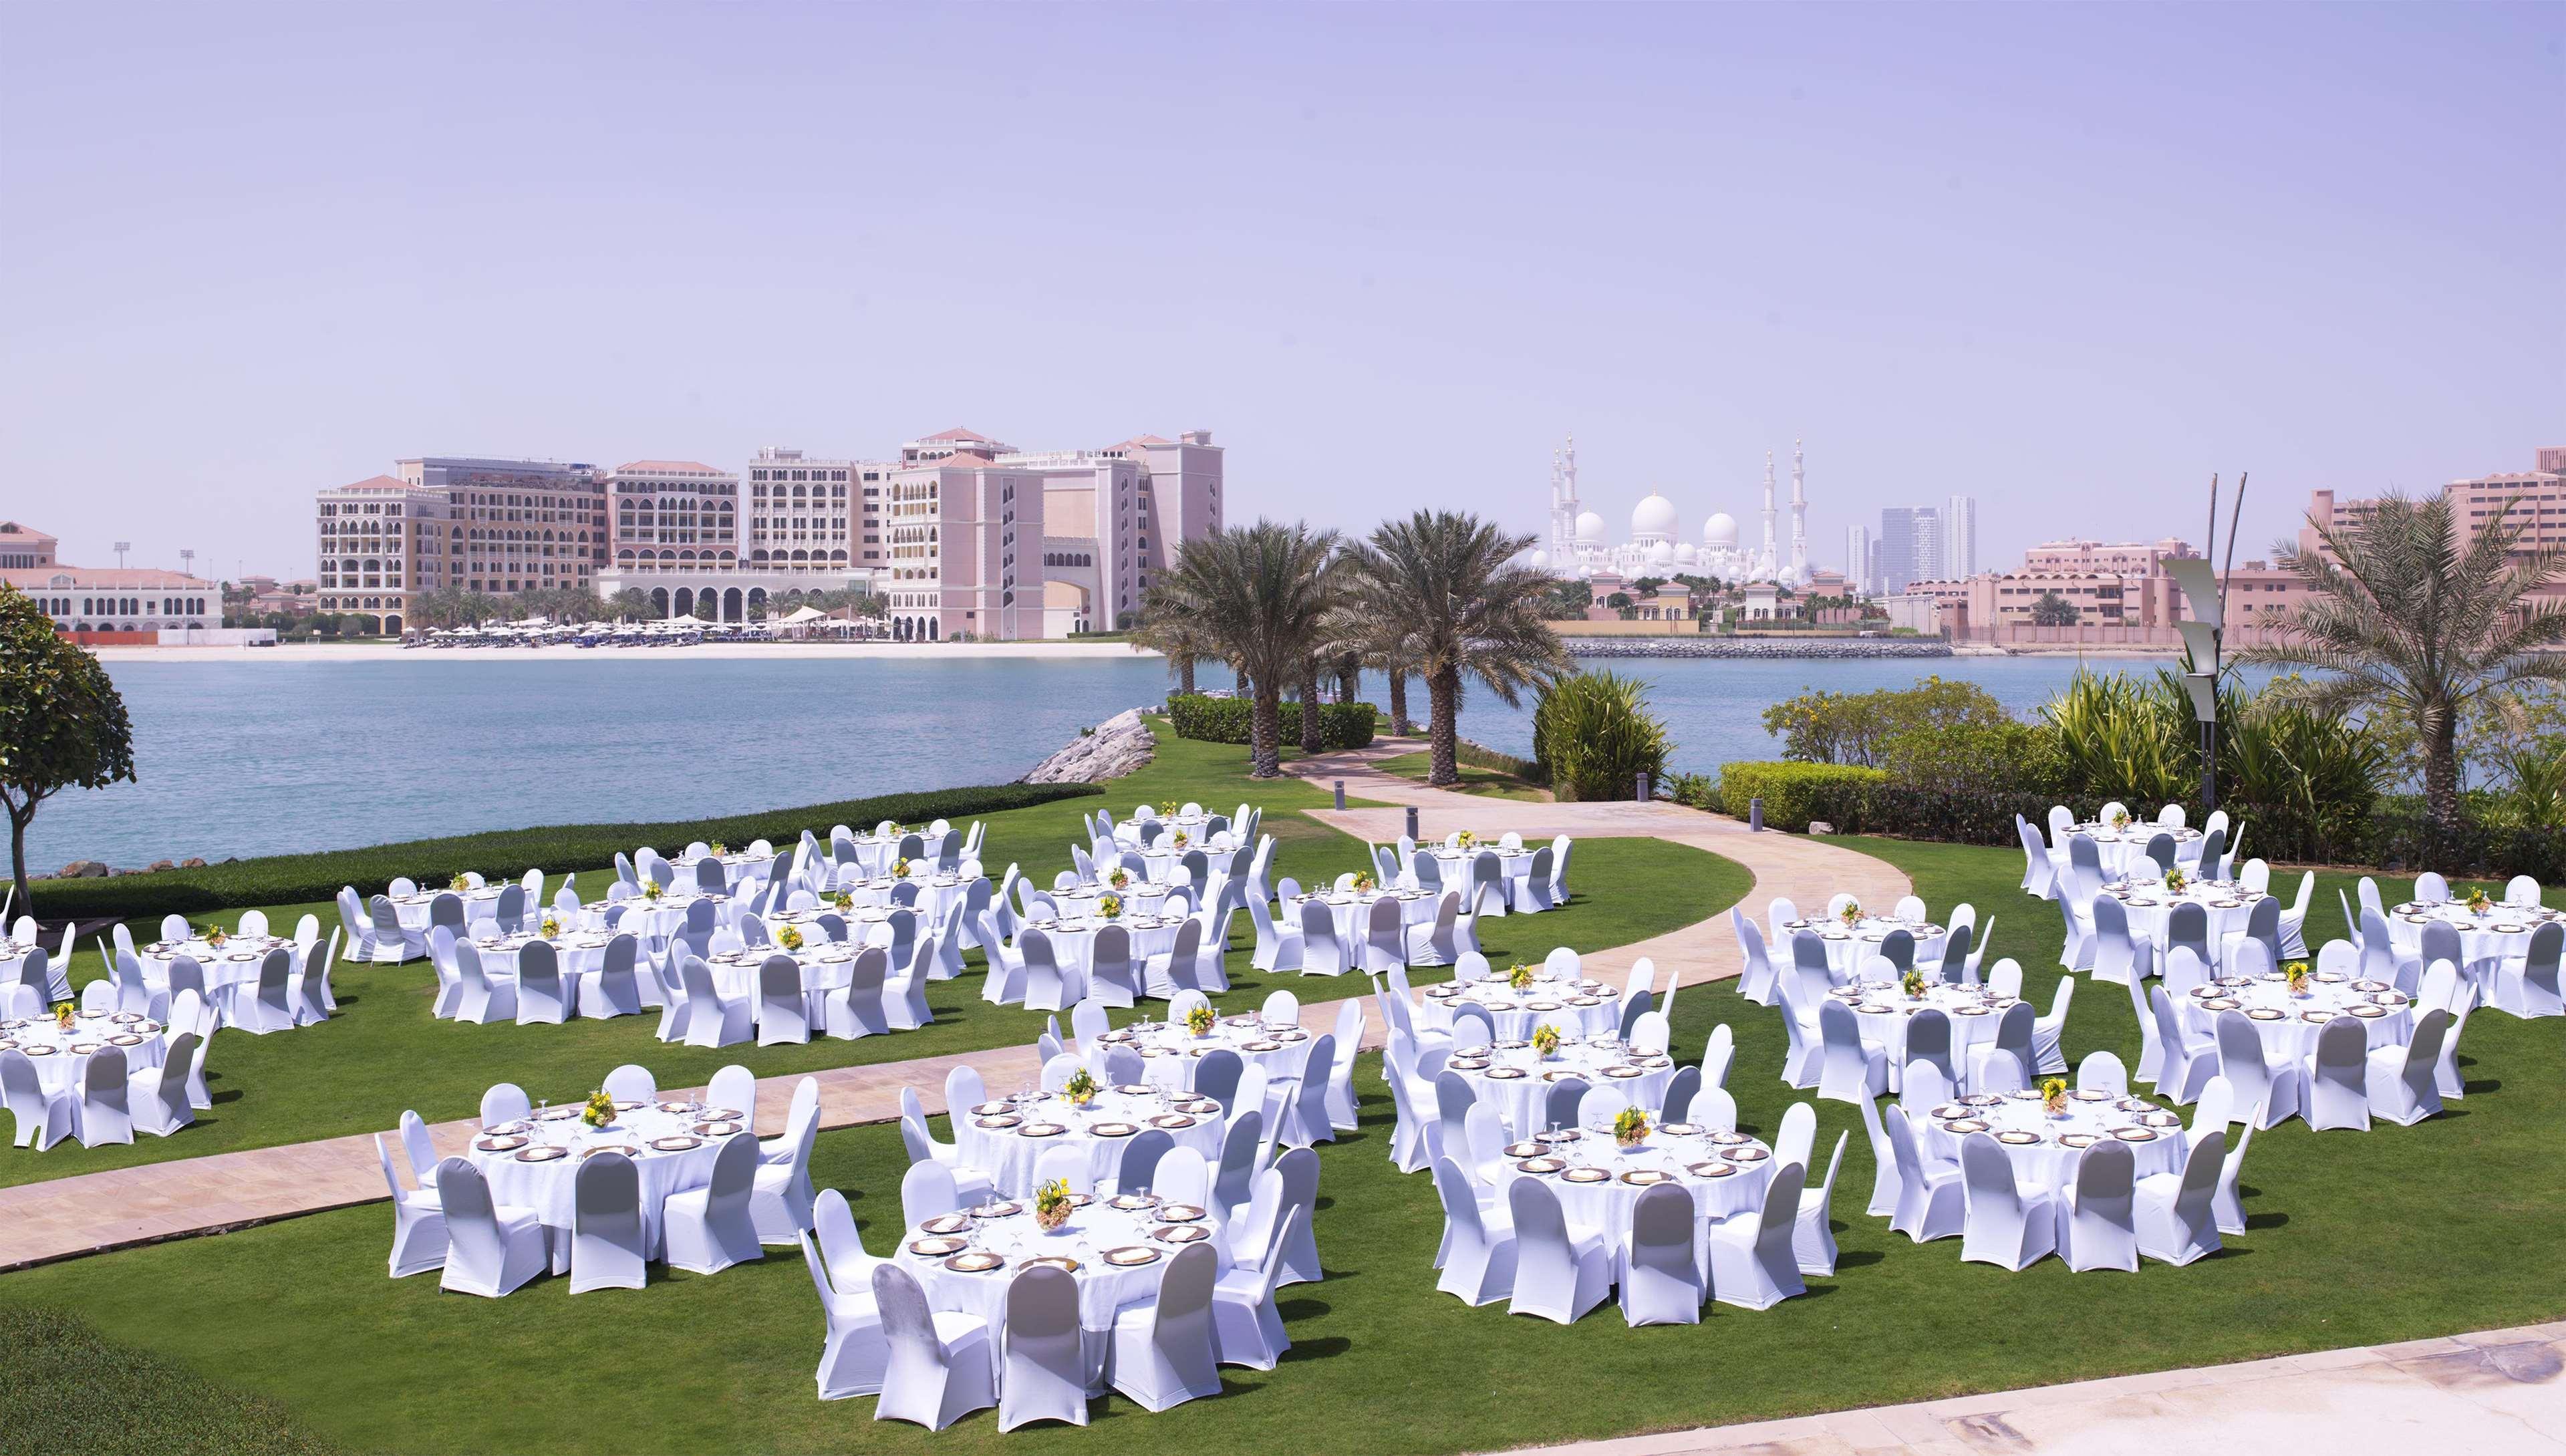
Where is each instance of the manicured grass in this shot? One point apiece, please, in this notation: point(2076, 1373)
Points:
point(149, 1406)
point(384, 1053)
point(1475, 780)
point(2398, 1234)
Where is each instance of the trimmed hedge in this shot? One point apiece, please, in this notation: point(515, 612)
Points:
point(1793, 793)
point(1480, 756)
point(291, 879)
point(1227, 720)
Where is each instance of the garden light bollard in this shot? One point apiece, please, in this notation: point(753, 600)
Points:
point(1340, 793)
point(1412, 824)
point(1642, 795)
point(1755, 815)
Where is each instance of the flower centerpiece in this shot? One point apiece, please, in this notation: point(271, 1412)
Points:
point(721, 849)
point(789, 936)
point(1545, 1040)
point(1182, 838)
point(1108, 906)
point(1914, 984)
point(213, 935)
point(63, 1011)
point(1850, 914)
point(1465, 840)
point(458, 884)
point(1051, 1205)
point(600, 1109)
point(900, 868)
point(1521, 976)
point(1630, 1127)
point(1166, 809)
point(2479, 900)
point(2296, 973)
point(843, 901)
point(550, 927)
point(1364, 882)
point(1119, 877)
point(2053, 1095)
point(2174, 881)
point(652, 890)
point(2120, 819)
point(1199, 1020)
point(1081, 1089)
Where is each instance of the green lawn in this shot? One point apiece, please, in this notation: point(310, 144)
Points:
point(1475, 780)
point(2445, 1227)
point(384, 1053)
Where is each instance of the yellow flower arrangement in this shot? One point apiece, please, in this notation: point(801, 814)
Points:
point(2053, 1095)
point(900, 868)
point(2296, 973)
point(1119, 877)
point(1081, 1089)
point(844, 901)
point(600, 1109)
point(1914, 984)
point(1520, 976)
point(652, 890)
point(1466, 840)
point(63, 1011)
point(1364, 882)
point(2479, 900)
point(550, 928)
point(1108, 906)
point(1051, 1205)
point(214, 935)
point(1181, 839)
point(458, 884)
point(2174, 881)
point(1166, 809)
point(1850, 914)
point(2120, 819)
point(1545, 1040)
point(721, 849)
point(1630, 1127)
point(1200, 1021)
point(790, 937)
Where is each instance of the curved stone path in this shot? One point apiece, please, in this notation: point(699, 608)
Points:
point(93, 1212)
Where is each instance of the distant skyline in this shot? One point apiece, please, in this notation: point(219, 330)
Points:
point(2066, 260)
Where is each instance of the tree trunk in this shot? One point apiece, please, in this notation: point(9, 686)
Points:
point(1186, 677)
point(1349, 684)
point(1398, 703)
point(26, 898)
point(1311, 741)
point(1266, 733)
point(1443, 693)
point(2441, 777)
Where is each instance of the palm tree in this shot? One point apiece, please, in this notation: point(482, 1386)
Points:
point(1167, 630)
point(1379, 640)
point(2406, 617)
point(1259, 595)
point(1469, 611)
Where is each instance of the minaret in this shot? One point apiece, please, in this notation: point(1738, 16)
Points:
point(1568, 506)
point(1767, 563)
point(1799, 517)
point(1559, 529)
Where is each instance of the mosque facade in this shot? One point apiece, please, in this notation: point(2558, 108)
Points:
point(1656, 545)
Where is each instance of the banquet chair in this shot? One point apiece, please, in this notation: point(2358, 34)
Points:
point(615, 990)
point(2527, 987)
point(970, 1184)
point(1562, 1106)
point(2432, 888)
point(1812, 1238)
point(2175, 1220)
point(2185, 968)
point(1056, 1072)
point(478, 998)
point(1884, 1163)
point(696, 932)
point(1086, 1021)
point(780, 1195)
point(853, 1353)
point(2103, 1070)
point(1343, 1107)
point(1278, 946)
point(2263, 927)
point(2186, 1060)
point(1560, 1271)
point(1926, 1088)
point(1246, 1323)
point(1487, 882)
point(1043, 1364)
point(2077, 952)
point(98, 998)
point(1438, 942)
point(712, 1019)
point(783, 1014)
point(2048, 1049)
point(1138, 1168)
point(2015, 1028)
point(1116, 1065)
point(391, 944)
point(632, 1083)
point(1479, 1249)
point(1852, 1066)
point(707, 1230)
point(1804, 1057)
point(2113, 953)
point(1048, 987)
point(491, 1249)
point(1164, 1352)
point(2161, 849)
point(1755, 981)
point(2040, 867)
point(418, 1221)
point(307, 989)
point(1718, 1051)
point(1958, 966)
point(1661, 1283)
point(1177, 963)
point(41, 1118)
point(2339, 1077)
point(2188, 930)
point(2097, 1208)
point(2253, 1076)
point(929, 1190)
point(542, 995)
point(2404, 1088)
point(1304, 1119)
point(1110, 976)
point(504, 1101)
point(1754, 1262)
point(101, 1109)
point(2001, 1223)
point(157, 1095)
point(1898, 947)
point(940, 1364)
point(445, 910)
point(1323, 952)
point(904, 994)
point(1930, 1198)
point(1929, 1041)
point(605, 1240)
point(1385, 936)
point(1243, 1146)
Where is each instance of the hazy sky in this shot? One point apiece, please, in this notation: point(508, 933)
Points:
point(2070, 258)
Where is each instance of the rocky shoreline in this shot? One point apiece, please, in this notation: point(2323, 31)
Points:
point(1112, 749)
point(1758, 648)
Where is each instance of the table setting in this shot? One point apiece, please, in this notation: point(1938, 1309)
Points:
point(1592, 1007)
point(2043, 1145)
point(1005, 1136)
point(2150, 904)
point(479, 904)
point(1884, 1007)
point(2122, 850)
point(1850, 941)
point(1352, 909)
point(1515, 864)
point(2489, 931)
point(2289, 1019)
point(1170, 1049)
point(533, 1162)
point(1515, 1079)
point(62, 1052)
point(1143, 913)
point(235, 962)
point(1597, 1176)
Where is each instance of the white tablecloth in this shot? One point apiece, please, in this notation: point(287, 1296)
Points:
point(1455, 867)
point(936, 895)
point(1521, 1100)
point(1351, 910)
point(1008, 1154)
point(2289, 1024)
point(236, 963)
point(1741, 1170)
point(60, 1057)
point(1883, 1008)
point(2150, 907)
point(1170, 1053)
point(1590, 1007)
point(2501, 933)
point(478, 904)
point(1073, 944)
point(2125, 851)
point(1849, 947)
point(549, 1187)
point(825, 966)
point(655, 922)
point(737, 868)
point(2048, 1162)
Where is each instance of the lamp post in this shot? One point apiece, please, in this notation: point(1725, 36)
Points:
point(2203, 629)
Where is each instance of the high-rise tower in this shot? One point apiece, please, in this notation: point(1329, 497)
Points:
point(1799, 517)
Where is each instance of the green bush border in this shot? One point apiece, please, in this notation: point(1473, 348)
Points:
point(1208, 719)
point(1792, 792)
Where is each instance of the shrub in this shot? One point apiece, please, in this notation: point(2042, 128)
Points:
point(290, 879)
point(1854, 728)
point(1793, 793)
point(1480, 756)
point(1593, 736)
point(1692, 791)
point(1208, 719)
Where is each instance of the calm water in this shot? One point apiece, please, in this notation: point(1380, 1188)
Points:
point(263, 758)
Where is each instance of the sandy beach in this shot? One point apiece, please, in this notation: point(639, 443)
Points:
point(386, 652)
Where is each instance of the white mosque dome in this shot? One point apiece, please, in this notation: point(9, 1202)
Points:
point(1653, 519)
point(1541, 561)
point(1685, 554)
point(1719, 530)
point(1590, 529)
point(1662, 555)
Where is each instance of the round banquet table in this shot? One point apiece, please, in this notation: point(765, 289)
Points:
point(1883, 1008)
point(1073, 946)
point(2502, 933)
point(736, 866)
point(826, 966)
point(1005, 1144)
point(2123, 853)
point(1725, 1172)
point(1170, 1053)
point(13, 960)
point(1128, 832)
point(1590, 1007)
point(1004, 1235)
point(1453, 866)
point(1351, 910)
point(548, 1187)
point(2150, 907)
point(235, 963)
point(1849, 947)
point(2044, 1149)
point(655, 922)
point(1517, 1081)
point(936, 894)
point(478, 904)
point(874, 856)
point(2289, 1024)
point(59, 1058)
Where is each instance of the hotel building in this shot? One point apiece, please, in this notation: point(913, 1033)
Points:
point(496, 526)
point(96, 599)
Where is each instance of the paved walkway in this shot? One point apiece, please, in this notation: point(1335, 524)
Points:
point(94, 1212)
point(2490, 1394)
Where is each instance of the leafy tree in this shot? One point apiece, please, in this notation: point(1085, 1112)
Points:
point(2053, 610)
point(1854, 728)
point(1593, 736)
point(2408, 614)
point(1567, 599)
point(1260, 594)
point(632, 603)
point(62, 724)
point(1174, 636)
